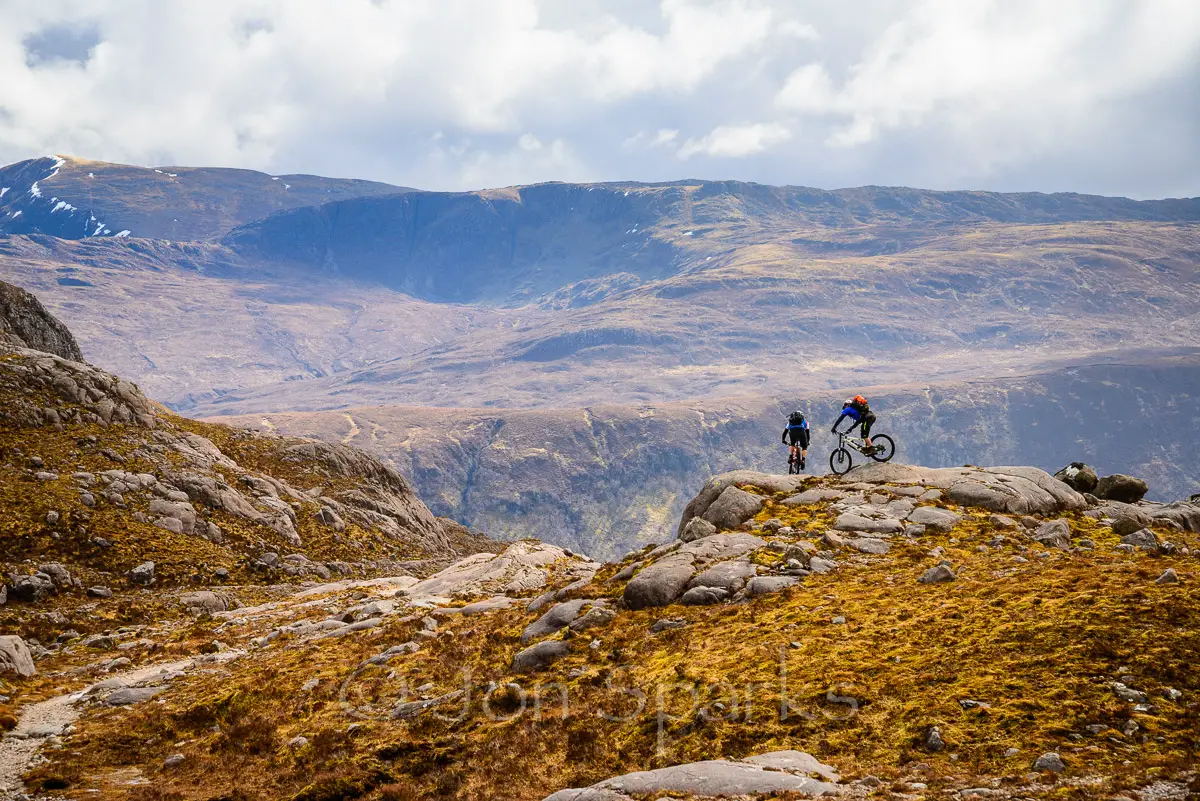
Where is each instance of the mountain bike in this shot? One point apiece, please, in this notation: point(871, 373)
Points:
point(840, 460)
point(794, 465)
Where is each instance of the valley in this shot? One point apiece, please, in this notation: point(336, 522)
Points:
point(563, 360)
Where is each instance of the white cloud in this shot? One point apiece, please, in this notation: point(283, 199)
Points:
point(1088, 95)
point(736, 141)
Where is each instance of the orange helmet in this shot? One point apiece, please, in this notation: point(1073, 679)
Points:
point(860, 400)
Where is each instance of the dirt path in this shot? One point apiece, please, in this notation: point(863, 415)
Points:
point(52, 717)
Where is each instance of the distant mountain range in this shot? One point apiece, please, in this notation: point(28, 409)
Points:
point(74, 198)
point(236, 293)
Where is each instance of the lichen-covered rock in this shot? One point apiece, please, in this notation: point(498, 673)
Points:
point(1120, 487)
point(697, 528)
point(1078, 476)
point(15, 657)
point(1011, 490)
point(773, 773)
point(540, 656)
point(717, 485)
point(25, 323)
point(732, 508)
point(1054, 534)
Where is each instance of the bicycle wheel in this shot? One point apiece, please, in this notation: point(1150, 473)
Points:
point(839, 461)
point(885, 448)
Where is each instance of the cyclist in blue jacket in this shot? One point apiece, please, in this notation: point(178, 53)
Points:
point(860, 414)
point(796, 437)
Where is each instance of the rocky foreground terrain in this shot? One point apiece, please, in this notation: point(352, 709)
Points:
point(899, 632)
point(903, 632)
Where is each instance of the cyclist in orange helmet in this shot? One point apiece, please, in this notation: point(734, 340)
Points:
point(859, 412)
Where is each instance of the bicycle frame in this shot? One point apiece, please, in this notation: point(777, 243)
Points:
point(847, 441)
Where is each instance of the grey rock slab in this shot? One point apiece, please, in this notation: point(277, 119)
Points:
point(697, 528)
point(871, 545)
point(733, 507)
point(15, 657)
point(1144, 538)
point(1055, 534)
point(556, 619)
point(795, 762)
point(729, 576)
point(714, 779)
point(811, 497)
point(132, 695)
point(660, 583)
point(937, 575)
point(716, 485)
point(848, 521)
point(540, 656)
point(704, 596)
point(822, 566)
point(488, 605)
point(934, 518)
point(763, 585)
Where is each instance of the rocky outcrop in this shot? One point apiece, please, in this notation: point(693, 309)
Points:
point(94, 443)
point(1012, 490)
point(736, 506)
point(664, 580)
point(774, 772)
point(24, 322)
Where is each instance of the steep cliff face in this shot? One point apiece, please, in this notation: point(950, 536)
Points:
point(607, 479)
point(24, 322)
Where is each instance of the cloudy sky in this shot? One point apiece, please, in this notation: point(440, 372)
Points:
point(1053, 95)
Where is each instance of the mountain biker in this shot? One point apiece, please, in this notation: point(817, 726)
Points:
point(860, 413)
point(797, 432)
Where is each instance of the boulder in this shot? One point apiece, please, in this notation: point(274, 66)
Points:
point(1144, 538)
point(204, 601)
point(932, 517)
point(58, 574)
point(556, 619)
point(142, 574)
point(32, 588)
point(1127, 525)
point(764, 585)
point(596, 617)
point(15, 657)
point(704, 596)
point(727, 576)
point(1078, 476)
point(733, 507)
point(849, 521)
point(937, 575)
point(132, 695)
point(540, 656)
point(718, 484)
point(1054, 534)
point(1120, 487)
point(660, 583)
point(871, 545)
point(697, 528)
point(1049, 762)
point(99, 592)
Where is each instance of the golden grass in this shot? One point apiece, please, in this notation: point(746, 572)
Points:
point(1035, 641)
